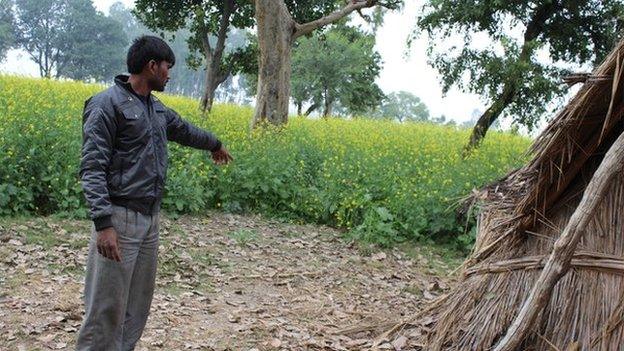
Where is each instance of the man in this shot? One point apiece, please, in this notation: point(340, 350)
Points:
point(123, 170)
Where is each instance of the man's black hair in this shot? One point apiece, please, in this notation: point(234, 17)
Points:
point(146, 48)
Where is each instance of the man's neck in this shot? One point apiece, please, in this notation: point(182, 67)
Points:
point(139, 85)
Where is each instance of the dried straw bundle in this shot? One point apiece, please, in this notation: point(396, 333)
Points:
point(524, 213)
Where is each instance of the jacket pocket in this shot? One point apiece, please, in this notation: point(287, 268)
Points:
point(132, 112)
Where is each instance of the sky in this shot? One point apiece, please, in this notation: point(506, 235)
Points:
point(402, 69)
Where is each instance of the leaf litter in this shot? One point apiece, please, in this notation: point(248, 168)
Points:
point(225, 282)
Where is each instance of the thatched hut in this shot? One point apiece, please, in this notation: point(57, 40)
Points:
point(522, 217)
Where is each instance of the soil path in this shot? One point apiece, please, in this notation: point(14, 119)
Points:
point(225, 282)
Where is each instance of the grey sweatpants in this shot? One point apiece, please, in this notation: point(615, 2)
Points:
point(118, 295)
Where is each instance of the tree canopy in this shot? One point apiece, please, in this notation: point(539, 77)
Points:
point(69, 38)
point(518, 74)
point(209, 23)
point(201, 18)
point(186, 77)
point(338, 66)
point(7, 27)
point(92, 45)
point(404, 106)
point(185, 80)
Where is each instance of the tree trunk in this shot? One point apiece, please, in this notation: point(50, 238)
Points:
point(488, 117)
point(277, 31)
point(299, 107)
point(534, 28)
point(311, 109)
point(214, 78)
point(327, 109)
point(214, 75)
point(275, 38)
point(209, 90)
point(558, 262)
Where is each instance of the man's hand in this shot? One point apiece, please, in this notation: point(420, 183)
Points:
point(108, 244)
point(221, 156)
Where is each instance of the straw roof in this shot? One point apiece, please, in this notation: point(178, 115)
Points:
point(524, 213)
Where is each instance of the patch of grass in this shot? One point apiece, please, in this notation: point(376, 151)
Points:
point(45, 239)
point(71, 270)
point(176, 229)
point(201, 256)
point(380, 265)
point(168, 263)
point(414, 290)
point(39, 235)
point(12, 282)
point(226, 267)
point(290, 234)
point(244, 236)
point(440, 259)
point(47, 232)
point(205, 286)
point(79, 243)
point(173, 289)
point(365, 249)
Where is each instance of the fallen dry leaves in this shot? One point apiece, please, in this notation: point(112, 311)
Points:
point(225, 282)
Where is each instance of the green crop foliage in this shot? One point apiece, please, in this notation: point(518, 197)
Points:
point(382, 181)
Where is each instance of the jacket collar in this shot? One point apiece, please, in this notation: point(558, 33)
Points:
point(121, 80)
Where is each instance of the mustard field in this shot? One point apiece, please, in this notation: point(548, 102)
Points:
point(381, 181)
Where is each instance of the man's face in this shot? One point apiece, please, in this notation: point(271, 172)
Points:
point(159, 74)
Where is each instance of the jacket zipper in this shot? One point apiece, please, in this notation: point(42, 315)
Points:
point(150, 116)
point(121, 172)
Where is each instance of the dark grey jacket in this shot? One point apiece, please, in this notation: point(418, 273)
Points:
point(124, 150)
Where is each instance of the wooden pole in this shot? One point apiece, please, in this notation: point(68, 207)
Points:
point(558, 262)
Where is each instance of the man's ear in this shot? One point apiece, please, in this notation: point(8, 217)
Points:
point(152, 66)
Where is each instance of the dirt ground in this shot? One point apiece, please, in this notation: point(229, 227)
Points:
point(225, 282)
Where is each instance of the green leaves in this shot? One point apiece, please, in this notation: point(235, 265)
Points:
point(403, 106)
point(208, 23)
point(382, 181)
point(69, 38)
point(202, 18)
point(304, 11)
point(7, 27)
point(337, 67)
point(524, 47)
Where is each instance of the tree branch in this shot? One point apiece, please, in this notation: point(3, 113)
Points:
point(224, 24)
point(353, 5)
point(311, 109)
point(363, 16)
point(203, 34)
point(223, 75)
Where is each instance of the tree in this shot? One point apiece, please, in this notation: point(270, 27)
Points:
point(90, 44)
point(7, 27)
point(279, 25)
point(40, 27)
point(69, 38)
point(185, 80)
point(203, 18)
point(337, 66)
point(507, 72)
point(405, 106)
